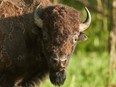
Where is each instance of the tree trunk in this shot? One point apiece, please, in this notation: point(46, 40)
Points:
point(113, 37)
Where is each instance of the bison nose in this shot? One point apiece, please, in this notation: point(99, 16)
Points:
point(58, 64)
point(55, 61)
point(63, 63)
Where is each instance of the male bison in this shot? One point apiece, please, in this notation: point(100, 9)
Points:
point(34, 43)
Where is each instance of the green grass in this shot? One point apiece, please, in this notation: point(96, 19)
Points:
point(90, 70)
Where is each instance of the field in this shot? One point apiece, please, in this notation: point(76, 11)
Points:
point(88, 70)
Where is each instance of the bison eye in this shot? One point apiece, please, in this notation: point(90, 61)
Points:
point(75, 38)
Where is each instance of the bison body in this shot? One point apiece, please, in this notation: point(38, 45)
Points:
point(36, 42)
point(19, 53)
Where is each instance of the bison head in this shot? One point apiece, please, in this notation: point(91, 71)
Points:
point(61, 30)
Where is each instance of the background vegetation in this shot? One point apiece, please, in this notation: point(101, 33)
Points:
point(90, 64)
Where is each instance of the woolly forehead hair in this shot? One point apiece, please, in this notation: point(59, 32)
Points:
point(60, 23)
point(62, 19)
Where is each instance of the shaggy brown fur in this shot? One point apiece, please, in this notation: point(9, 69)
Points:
point(61, 22)
point(26, 57)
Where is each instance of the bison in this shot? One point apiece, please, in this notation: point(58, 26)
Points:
point(37, 40)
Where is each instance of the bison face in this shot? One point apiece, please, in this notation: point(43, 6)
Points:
point(61, 30)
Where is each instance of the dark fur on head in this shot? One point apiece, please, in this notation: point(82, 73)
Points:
point(60, 24)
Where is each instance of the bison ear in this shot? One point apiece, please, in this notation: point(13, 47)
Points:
point(38, 21)
point(82, 37)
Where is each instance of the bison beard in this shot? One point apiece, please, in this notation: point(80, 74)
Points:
point(57, 78)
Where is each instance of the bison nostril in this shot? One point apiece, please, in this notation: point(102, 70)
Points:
point(64, 59)
point(55, 61)
point(63, 63)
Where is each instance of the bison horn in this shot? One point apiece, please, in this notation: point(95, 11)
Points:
point(38, 21)
point(86, 23)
